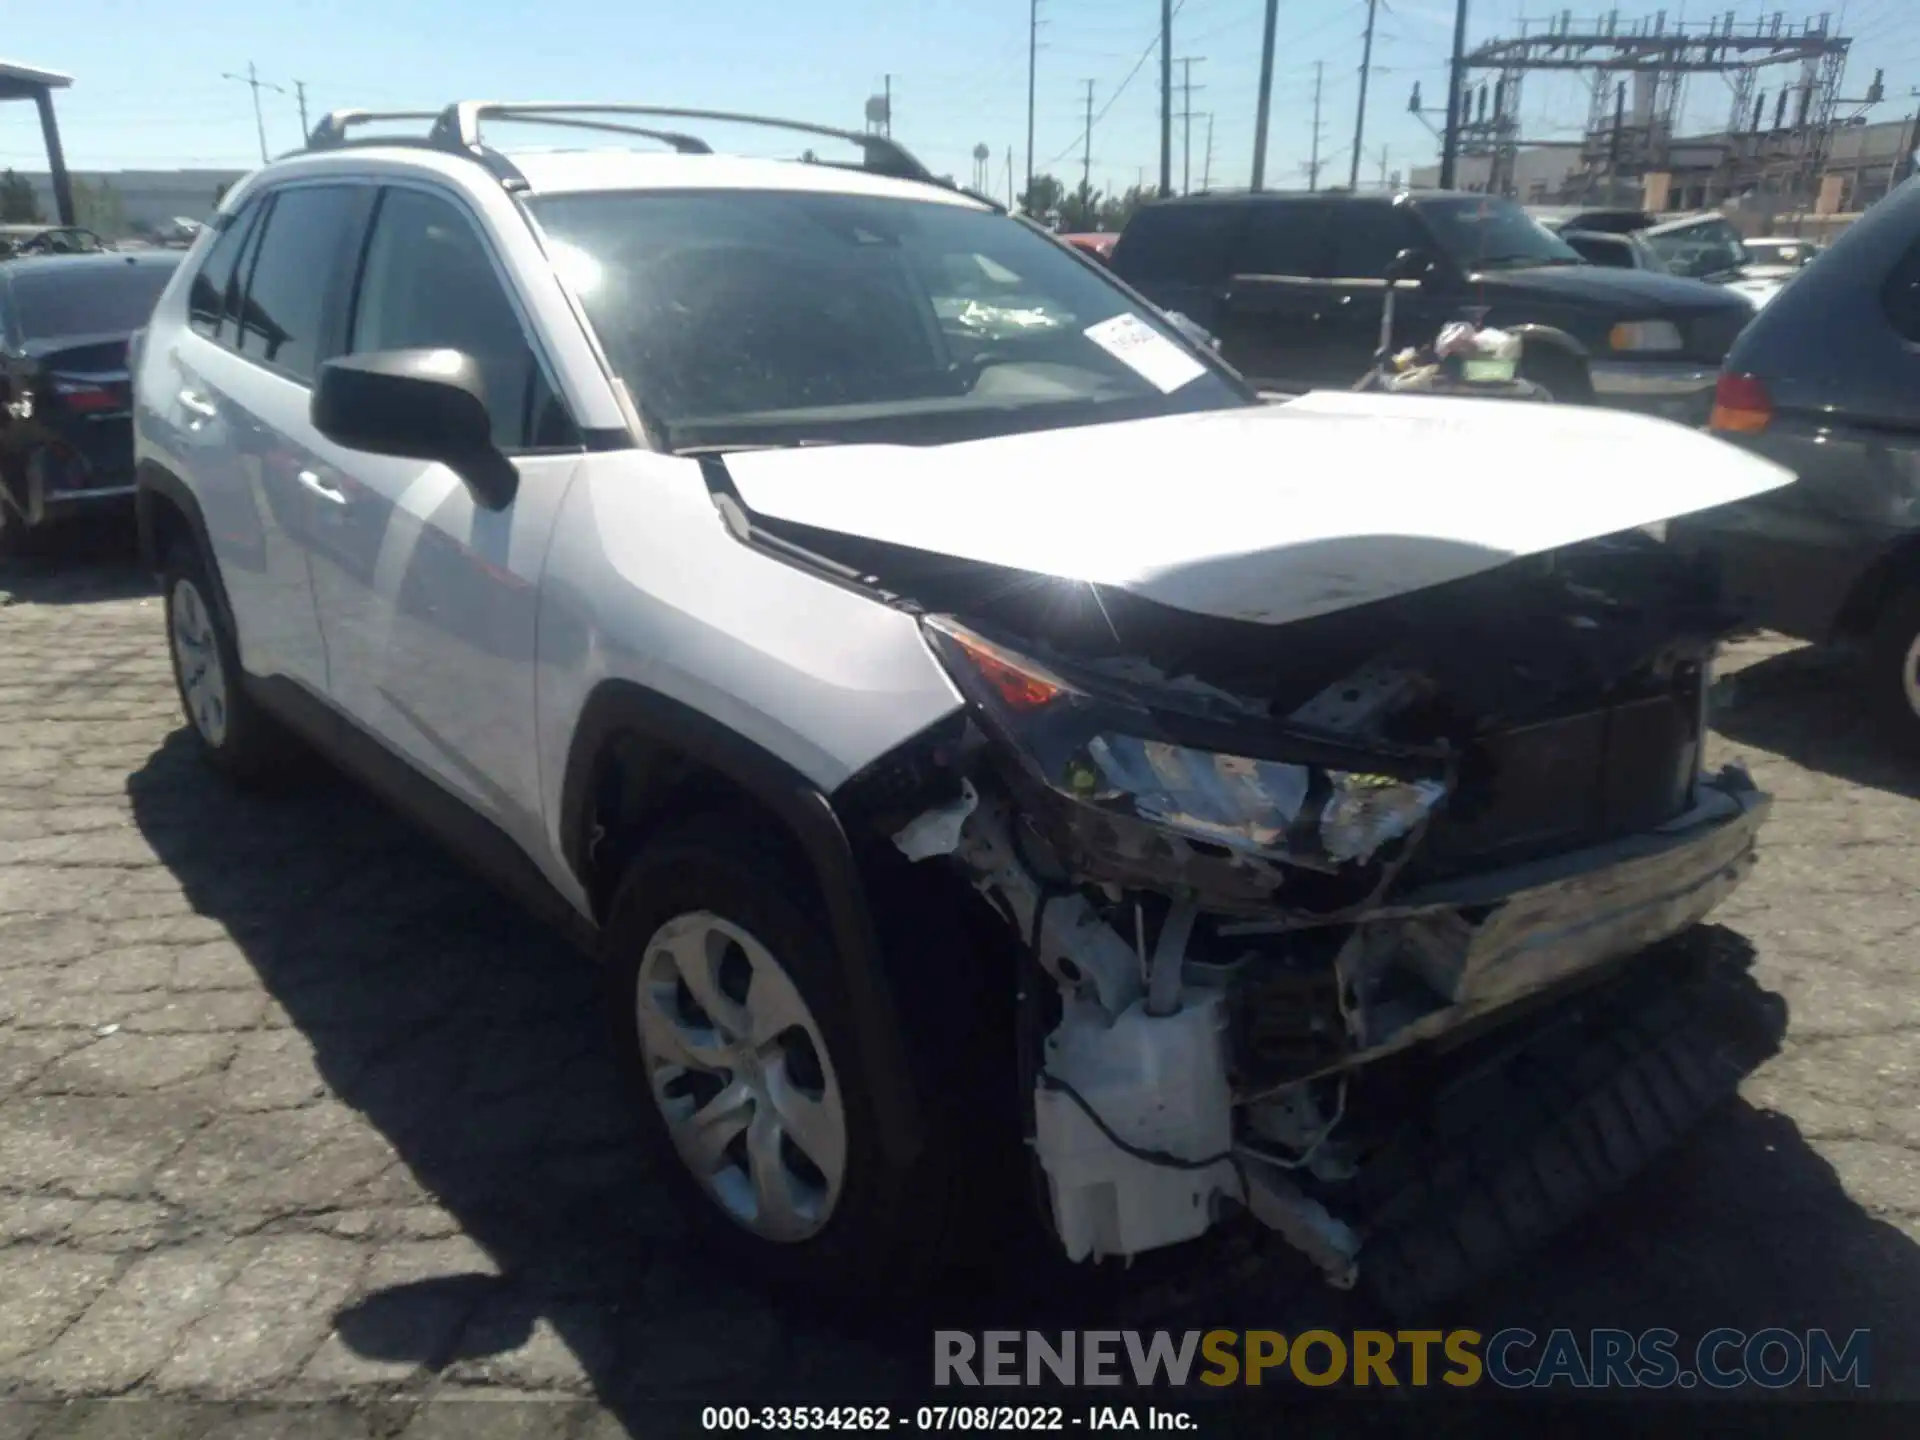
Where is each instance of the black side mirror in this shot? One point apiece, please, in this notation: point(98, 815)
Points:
point(416, 405)
point(1409, 265)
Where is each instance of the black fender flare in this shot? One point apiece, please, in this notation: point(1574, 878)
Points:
point(154, 485)
point(617, 707)
point(1550, 337)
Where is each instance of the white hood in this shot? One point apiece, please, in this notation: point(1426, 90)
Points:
point(1270, 514)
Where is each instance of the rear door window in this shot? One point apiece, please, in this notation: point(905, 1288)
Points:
point(1610, 250)
point(286, 299)
point(1367, 234)
point(1284, 237)
point(1183, 243)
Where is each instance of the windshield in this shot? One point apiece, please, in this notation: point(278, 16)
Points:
point(113, 298)
point(1712, 247)
point(760, 317)
point(1485, 233)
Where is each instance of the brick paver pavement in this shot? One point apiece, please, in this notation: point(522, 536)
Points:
point(292, 1107)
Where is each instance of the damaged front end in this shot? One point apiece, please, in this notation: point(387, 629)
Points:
point(1263, 865)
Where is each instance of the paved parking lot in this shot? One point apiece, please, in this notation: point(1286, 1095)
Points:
point(292, 1107)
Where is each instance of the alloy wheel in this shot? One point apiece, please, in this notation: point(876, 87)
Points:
point(740, 1072)
point(196, 657)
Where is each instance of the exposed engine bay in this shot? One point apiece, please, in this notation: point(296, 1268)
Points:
point(1256, 860)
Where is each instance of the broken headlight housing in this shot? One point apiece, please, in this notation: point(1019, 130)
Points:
point(1319, 804)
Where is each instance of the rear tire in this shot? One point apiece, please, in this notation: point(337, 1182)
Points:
point(233, 734)
point(1893, 670)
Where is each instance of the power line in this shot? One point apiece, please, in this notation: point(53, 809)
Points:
point(1119, 90)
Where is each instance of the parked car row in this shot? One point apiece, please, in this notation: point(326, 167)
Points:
point(66, 433)
point(1293, 284)
point(1699, 247)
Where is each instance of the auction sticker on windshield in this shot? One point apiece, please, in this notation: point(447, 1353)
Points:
point(1146, 352)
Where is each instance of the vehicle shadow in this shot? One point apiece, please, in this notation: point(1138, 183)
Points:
point(471, 1039)
point(77, 563)
point(1806, 705)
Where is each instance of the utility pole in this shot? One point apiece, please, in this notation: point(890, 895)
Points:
point(1613, 143)
point(1360, 113)
point(1383, 167)
point(1263, 110)
point(1086, 153)
point(1166, 98)
point(1187, 63)
point(1456, 82)
point(300, 93)
point(253, 81)
point(1206, 168)
point(1313, 165)
point(886, 115)
point(1010, 199)
point(1033, 59)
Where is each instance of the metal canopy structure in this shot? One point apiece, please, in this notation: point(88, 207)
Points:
point(25, 82)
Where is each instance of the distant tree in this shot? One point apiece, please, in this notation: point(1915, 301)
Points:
point(98, 207)
point(1042, 199)
point(1116, 210)
point(1080, 211)
point(19, 202)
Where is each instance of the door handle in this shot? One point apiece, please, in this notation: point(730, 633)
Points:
point(198, 404)
point(321, 488)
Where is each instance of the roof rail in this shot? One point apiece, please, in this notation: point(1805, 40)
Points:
point(331, 132)
point(458, 128)
point(456, 131)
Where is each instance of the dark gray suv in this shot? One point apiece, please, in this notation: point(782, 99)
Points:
point(1827, 383)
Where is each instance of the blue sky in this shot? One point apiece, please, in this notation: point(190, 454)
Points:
point(149, 90)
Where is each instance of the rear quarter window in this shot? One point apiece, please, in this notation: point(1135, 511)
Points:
point(1182, 243)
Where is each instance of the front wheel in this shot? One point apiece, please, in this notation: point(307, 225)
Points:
point(731, 1023)
point(1893, 669)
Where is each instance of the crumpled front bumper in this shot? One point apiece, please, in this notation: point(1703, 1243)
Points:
point(1547, 922)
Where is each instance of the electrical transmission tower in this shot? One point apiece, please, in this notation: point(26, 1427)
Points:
point(1637, 72)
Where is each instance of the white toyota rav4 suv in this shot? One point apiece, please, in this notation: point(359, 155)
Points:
point(980, 739)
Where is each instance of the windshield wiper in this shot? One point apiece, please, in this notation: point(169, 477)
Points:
point(732, 447)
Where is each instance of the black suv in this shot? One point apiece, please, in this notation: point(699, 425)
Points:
point(1291, 284)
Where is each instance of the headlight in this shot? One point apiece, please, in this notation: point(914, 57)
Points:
point(1645, 336)
point(1116, 754)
